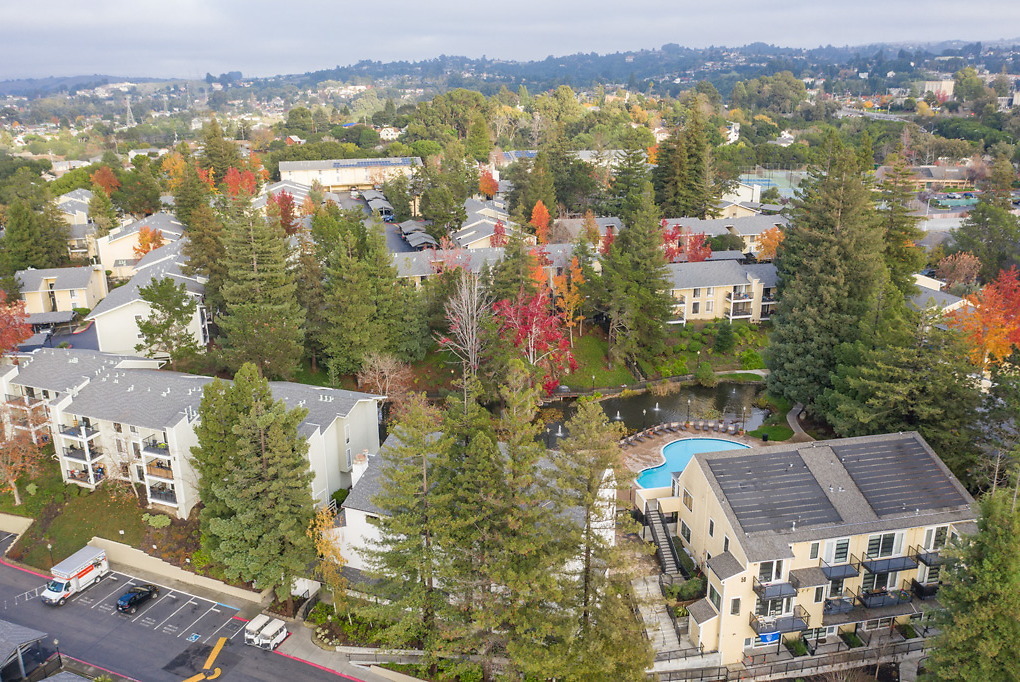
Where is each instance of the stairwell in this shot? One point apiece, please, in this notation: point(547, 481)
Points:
point(664, 548)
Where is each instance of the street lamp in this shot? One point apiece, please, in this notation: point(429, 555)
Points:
point(592, 383)
point(49, 548)
point(644, 418)
point(688, 410)
point(743, 418)
point(60, 661)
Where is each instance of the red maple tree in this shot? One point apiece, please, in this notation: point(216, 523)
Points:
point(696, 247)
point(449, 256)
point(285, 204)
point(236, 182)
point(13, 326)
point(487, 184)
point(106, 179)
point(498, 234)
point(540, 221)
point(535, 329)
point(607, 240)
point(680, 245)
point(991, 323)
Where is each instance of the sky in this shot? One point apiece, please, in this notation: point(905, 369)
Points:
point(187, 38)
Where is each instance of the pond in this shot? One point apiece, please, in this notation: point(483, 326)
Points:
point(729, 401)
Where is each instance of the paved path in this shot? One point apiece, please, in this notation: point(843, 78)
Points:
point(792, 418)
point(653, 612)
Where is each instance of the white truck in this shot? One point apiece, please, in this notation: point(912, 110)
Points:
point(265, 632)
point(82, 569)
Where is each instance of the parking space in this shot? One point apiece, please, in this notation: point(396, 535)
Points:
point(173, 613)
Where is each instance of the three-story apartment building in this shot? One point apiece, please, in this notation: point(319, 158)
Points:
point(814, 539)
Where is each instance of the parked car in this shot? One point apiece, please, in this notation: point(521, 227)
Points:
point(135, 597)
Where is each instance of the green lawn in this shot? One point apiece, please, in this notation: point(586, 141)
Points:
point(105, 513)
point(48, 485)
point(590, 354)
point(775, 425)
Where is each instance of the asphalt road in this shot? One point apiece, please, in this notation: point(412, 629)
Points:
point(169, 639)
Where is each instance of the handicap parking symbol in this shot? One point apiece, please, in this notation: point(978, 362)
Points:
point(193, 637)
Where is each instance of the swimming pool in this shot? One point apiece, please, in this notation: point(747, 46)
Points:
point(678, 454)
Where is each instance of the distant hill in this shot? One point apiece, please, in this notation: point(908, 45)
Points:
point(33, 87)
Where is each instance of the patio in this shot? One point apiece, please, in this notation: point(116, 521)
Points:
point(647, 452)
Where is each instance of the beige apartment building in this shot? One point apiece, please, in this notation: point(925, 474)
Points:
point(51, 290)
point(813, 540)
point(722, 289)
point(346, 174)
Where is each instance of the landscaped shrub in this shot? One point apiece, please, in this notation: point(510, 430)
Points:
point(695, 345)
point(705, 376)
point(907, 630)
point(156, 520)
point(751, 359)
point(200, 559)
point(340, 496)
point(851, 639)
point(72, 490)
point(725, 339)
point(797, 646)
point(673, 368)
point(31, 489)
point(694, 588)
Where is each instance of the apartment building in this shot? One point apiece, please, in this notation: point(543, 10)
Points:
point(115, 416)
point(59, 290)
point(346, 174)
point(117, 249)
point(811, 540)
point(722, 289)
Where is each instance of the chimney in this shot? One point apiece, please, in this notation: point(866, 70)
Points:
point(359, 467)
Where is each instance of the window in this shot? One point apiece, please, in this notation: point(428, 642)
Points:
point(932, 574)
point(814, 550)
point(347, 433)
point(711, 528)
point(774, 607)
point(882, 545)
point(819, 594)
point(120, 445)
point(769, 571)
point(714, 596)
point(725, 544)
point(710, 291)
point(837, 551)
point(878, 581)
point(836, 588)
point(735, 606)
point(878, 623)
point(688, 500)
point(695, 308)
point(709, 306)
point(350, 459)
point(685, 531)
point(696, 294)
point(935, 538)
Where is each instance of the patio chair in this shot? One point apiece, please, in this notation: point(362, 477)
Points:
point(699, 425)
point(733, 428)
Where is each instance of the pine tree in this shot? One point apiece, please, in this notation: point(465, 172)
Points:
point(903, 257)
point(101, 212)
point(309, 279)
point(267, 490)
point(218, 153)
point(699, 194)
point(636, 285)
point(406, 559)
point(479, 141)
point(262, 320)
point(629, 178)
point(512, 276)
point(979, 636)
point(608, 642)
point(671, 175)
point(206, 253)
point(33, 239)
point(191, 193)
point(166, 331)
point(831, 275)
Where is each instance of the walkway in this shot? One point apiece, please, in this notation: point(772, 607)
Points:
point(658, 626)
point(793, 419)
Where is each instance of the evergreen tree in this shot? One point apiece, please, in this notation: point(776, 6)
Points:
point(636, 286)
point(512, 276)
point(190, 195)
point(267, 490)
point(206, 253)
point(699, 194)
point(406, 559)
point(831, 273)
point(309, 279)
point(101, 212)
point(479, 142)
point(629, 178)
point(218, 153)
point(608, 642)
point(139, 192)
point(32, 239)
point(979, 636)
point(992, 233)
point(166, 331)
point(537, 185)
point(903, 257)
point(262, 320)
point(671, 175)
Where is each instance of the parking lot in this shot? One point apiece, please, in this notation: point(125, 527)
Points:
point(172, 613)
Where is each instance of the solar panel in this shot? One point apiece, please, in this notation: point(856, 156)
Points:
point(897, 476)
point(772, 491)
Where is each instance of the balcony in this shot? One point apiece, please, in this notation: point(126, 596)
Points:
point(155, 446)
point(833, 606)
point(81, 476)
point(81, 455)
point(739, 311)
point(23, 401)
point(767, 625)
point(774, 590)
point(158, 469)
point(928, 557)
point(738, 296)
point(841, 571)
point(924, 591)
point(78, 431)
point(162, 496)
point(878, 599)
point(888, 564)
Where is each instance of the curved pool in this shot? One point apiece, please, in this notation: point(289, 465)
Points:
point(677, 454)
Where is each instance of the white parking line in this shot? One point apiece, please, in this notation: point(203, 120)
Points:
point(100, 600)
point(173, 614)
point(197, 619)
point(213, 633)
point(152, 606)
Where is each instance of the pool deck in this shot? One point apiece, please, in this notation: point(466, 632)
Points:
point(640, 455)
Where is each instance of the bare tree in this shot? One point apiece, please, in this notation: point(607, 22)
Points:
point(19, 455)
point(466, 312)
point(386, 375)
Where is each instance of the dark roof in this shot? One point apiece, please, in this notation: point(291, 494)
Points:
point(812, 576)
point(929, 298)
point(64, 278)
point(701, 611)
point(13, 636)
point(349, 163)
point(725, 565)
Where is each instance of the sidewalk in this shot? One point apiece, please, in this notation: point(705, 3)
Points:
point(299, 645)
point(793, 419)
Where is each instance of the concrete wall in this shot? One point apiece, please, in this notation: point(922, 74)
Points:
point(131, 558)
point(9, 523)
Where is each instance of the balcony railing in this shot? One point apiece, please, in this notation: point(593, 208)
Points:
point(877, 599)
point(162, 496)
point(160, 471)
point(738, 296)
point(842, 570)
point(79, 431)
point(793, 622)
point(739, 311)
point(924, 591)
point(773, 590)
point(156, 446)
point(80, 455)
point(22, 401)
point(888, 564)
point(928, 557)
point(834, 606)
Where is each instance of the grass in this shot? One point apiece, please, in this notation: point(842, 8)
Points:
point(741, 378)
point(773, 432)
point(775, 425)
point(320, 377)
point(49, 485)
point(69, 527)
point(590, 352)
point(438, 371)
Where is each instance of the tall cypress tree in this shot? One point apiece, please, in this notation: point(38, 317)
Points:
point(101, 211)
point(262, 321)
point(206, 253)
point(191, 193)
point(267, 492)
point(831, 275)
point(628, 184)
point(699, 193)
point(671, 175)
point(902, 255)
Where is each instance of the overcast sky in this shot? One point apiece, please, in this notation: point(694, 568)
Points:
point(187, 38)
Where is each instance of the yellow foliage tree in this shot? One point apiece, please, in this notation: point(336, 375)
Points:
point(323, 533)
point(768, 243)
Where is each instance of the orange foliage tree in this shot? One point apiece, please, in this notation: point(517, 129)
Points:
point(540, 221)
point(768, 243)
point(487, 184)
point(173, 165)
point(19, 455)
point(13, 326)
point(569, 296)
point(236, 182)
point(498, 234)
point(148, 239)
point(105, 178)
point(991, 322)
point(959, 267)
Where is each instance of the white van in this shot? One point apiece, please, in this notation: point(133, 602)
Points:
point(82, 569)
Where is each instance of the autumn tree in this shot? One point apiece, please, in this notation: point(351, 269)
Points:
point(958, 268)
point(768, 243)
point(536, 331)
point(237, 182)
point(499, 237)
point(284, 203)
point(323, 533)
point(467, 311)
point(148, 239)
point(569, 288)
point(540, 221)
point(105, 179)
point(14, 327)
point(991, 321)
point(487, 184)
point(386, 375)
point(19, 454)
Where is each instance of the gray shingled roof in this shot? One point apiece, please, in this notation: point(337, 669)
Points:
point(81, 194)
point(725, 565)
point(55, 317)
point(765, 272)
point(324, 405)
point(72, 206)
point(330, 164)
point(60, 369)
point(149, 398)
point(171, 228)
point(420, 263)
point(702, 611)
point(928, 298)
point(710, 273)
point(13, 636)
point(161, 263)
point(715, 227)
point(65, 278)
point(363, 493)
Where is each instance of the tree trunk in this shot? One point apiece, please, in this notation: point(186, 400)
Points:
point(14, 491)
